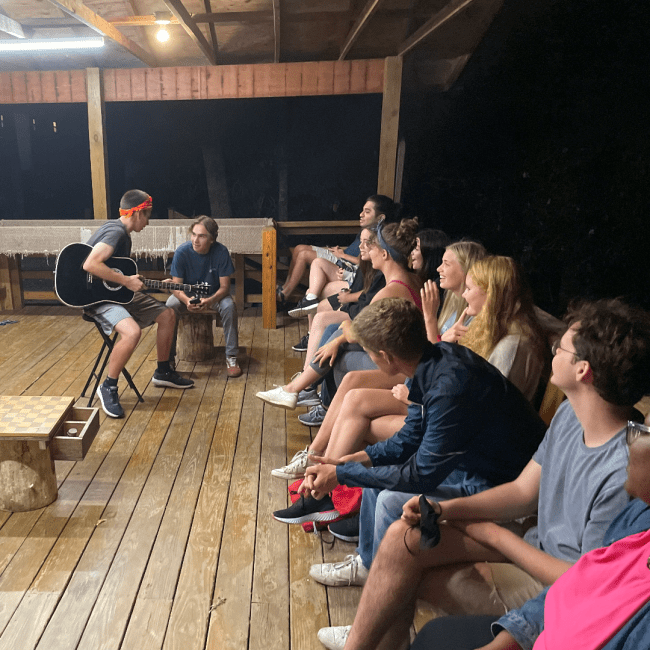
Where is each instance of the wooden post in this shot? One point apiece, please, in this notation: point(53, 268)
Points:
point(389, 125)
point(269, 277)
point(96, 134)
point(240, 268)
point(10, 279)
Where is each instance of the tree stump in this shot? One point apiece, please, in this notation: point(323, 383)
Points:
point(195, 341)
point(27, 476)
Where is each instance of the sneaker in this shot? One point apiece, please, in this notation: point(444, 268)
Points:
point(110, 401)
point(334, 638)
point(308, 509)
point(279, 397)
point(302, 345)
point(296, 468)
point(232, 367)
point(304, 307)
point(309, 397)
point(171, 379)
point(315, 416)
point(341, 574)
point(346, 529)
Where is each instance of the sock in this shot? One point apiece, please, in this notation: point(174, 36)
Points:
point(109, 381)
point(310, 296)
point(164, 367)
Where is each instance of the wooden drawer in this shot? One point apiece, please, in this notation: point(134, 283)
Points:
point(75, 435)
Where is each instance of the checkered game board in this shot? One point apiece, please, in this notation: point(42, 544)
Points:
point(29, 417)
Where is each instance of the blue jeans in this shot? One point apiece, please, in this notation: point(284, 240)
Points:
point(228, 313)
point(380, 508)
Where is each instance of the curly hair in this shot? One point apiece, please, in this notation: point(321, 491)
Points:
point(615, 339)
point(467, 252)
point(400, 237)
point(393, 325)
point(508, 307)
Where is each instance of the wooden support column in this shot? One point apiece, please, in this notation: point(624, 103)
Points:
point(11, 298)
point(97, 137)
point(240, 271)
point(269, 277)
point(389, 125)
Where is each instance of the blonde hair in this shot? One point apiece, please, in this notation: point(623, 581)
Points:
point(466, 252)
point(508, 307)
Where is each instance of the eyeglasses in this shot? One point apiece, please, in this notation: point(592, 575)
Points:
point(556, 346)
point(635, 431)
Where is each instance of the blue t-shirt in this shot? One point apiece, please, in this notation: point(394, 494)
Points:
point(353, 248)
point(194, 268)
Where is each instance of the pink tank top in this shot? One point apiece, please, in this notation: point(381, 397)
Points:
point(416, 297)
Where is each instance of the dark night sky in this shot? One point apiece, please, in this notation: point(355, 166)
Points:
point(541, 150)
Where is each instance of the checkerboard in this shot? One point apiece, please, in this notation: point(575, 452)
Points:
point(32, 417)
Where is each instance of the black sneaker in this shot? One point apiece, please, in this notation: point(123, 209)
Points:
point(308, 509)
point(171, 379)
point(303, 308)
point(110, 401)
point(346, 529)
point(302, 346)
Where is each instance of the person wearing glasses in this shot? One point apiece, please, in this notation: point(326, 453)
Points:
point(574, 482)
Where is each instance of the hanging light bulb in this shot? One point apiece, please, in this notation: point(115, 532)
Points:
point(162, 35)
point(162, 18)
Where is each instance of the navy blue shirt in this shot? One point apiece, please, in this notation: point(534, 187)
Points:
point(194, 268)
point(465, 415)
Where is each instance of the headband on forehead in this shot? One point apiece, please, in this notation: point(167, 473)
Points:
point(143, 206)
point(397, 256)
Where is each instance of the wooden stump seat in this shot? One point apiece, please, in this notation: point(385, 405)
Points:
point(195, 341)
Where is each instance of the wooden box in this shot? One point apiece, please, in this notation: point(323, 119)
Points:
point(76, 433)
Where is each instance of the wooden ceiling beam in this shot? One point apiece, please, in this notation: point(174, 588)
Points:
point(212, 30)
point(445, 14)
point(140, 21)
point(192, 29)
point(235, 17)
point(89, 18)
point(276, 31)
point(359, 24)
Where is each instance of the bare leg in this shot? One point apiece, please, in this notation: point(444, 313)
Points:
point(304, 380)
point(356, 379)
point(166, 323)
point(324, 306)
point(352, 431)
point(388, 600)
point(129, 332)
point(301, 257)
point(320, 322)
point(321, 272)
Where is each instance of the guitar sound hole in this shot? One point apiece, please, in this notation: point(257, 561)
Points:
point(113, 286)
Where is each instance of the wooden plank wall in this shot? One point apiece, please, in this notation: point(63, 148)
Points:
point(198, 82)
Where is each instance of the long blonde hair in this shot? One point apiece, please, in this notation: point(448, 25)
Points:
point(466, 252)
point(508, 307)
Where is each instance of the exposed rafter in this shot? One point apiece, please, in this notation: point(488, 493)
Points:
point(192, 29)
point(445, 14)
point(359, 24)
point(11, 27)
point(276, 31)
point(89, 18)
point(213, 31)
point(139, 21)
point(262, 16)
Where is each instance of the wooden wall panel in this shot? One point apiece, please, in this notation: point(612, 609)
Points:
point(34, 88)
point(198, 82)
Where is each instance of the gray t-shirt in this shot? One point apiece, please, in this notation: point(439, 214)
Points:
point(581, 488)
point(114, 234)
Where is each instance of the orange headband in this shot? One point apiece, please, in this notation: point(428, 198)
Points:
point(143, 206)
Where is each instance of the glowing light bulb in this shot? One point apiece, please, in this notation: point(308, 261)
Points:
point(162, 35)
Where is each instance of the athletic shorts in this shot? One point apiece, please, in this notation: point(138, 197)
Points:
point(143, 309)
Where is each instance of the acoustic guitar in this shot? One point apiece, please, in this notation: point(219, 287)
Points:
point(78, 288)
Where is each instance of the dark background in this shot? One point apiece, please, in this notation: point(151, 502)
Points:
point(541, 150)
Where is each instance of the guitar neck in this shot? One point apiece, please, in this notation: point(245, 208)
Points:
point(169, 286)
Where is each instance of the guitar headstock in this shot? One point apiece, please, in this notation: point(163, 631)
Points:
point(203, 289)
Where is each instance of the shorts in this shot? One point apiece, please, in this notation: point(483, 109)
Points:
point(143, 309)
point(324, 254)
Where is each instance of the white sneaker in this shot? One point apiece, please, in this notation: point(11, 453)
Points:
point(350, 572)
point(279, 397)
point(296, 468)
point(334, 638)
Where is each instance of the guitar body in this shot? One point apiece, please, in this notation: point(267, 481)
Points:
point(77, 288)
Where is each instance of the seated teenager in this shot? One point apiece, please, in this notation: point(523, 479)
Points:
point(456, 260)
point(467, 429)
point(574, 482)
point(600, 603)
point(400, 283)
point(376, 208)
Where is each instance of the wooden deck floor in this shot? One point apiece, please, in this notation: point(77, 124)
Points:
point(162, 537)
